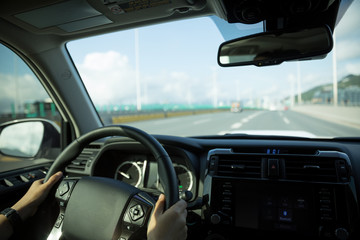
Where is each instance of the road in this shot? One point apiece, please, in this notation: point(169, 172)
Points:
point(263, 122)
point(286, 123)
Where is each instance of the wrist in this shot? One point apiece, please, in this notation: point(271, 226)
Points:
point(13, 218)
point(21, 211)
point(24, 209)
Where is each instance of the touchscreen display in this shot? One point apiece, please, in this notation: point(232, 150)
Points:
point(266, 206)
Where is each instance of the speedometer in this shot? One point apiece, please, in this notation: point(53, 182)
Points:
point(129, 172)
point(185, 178)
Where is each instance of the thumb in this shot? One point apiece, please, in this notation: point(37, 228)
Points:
point(159, 206)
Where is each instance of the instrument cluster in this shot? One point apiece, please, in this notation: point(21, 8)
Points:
point(141, 171)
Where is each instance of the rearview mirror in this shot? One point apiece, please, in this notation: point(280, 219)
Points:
point(271, 48)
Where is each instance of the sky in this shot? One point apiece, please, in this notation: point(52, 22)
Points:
point(177, 63)
point(179, 60)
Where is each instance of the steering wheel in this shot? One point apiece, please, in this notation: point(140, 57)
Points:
point(103, 208)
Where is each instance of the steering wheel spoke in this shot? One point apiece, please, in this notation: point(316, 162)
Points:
point(62, 195)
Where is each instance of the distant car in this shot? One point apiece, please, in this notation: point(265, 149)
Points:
point(236, 107)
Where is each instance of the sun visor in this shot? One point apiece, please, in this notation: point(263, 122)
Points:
point(70, 16)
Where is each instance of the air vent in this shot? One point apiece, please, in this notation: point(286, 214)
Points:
point(83, 160)
point(20, 178)
point(239, 165)
point(312, 168)
point(93, 146)
point(321, 166)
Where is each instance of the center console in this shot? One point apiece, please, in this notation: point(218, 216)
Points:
point(265, 192)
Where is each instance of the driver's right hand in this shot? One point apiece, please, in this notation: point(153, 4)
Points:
point(170, 224)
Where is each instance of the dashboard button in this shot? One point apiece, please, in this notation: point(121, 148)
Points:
point(273, 168)
point(285, 215)
point(64, 188)
point(136, 212)
point(215, 218)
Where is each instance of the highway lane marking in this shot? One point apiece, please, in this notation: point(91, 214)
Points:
point(286, 120)
point(236, 125)
point(201, 121)
point(244, 120)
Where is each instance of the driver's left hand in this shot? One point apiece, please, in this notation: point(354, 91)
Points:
point(28, 204)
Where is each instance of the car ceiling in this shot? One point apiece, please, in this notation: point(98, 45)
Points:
point(80, 18)
point(65, 20)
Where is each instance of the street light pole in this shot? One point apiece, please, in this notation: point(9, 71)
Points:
point(335, 83)
point(137, 71)
point(299, 84)
point(215, 89)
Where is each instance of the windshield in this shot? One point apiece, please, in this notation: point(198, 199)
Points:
point(165, 79)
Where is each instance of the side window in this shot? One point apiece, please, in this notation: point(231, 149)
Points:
point(21, 94)
point(22, 97)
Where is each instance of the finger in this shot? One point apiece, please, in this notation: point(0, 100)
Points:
point(180, 205)
point(183, 233)
point(52, 180)
point(159, 206)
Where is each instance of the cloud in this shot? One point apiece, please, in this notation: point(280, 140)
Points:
point(108, 77)
point(105, 61)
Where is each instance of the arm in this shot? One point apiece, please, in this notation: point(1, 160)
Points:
point(170, 224)
point(28, 204)
point(5, 228)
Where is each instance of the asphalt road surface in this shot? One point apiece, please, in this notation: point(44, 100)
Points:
point(250, 122)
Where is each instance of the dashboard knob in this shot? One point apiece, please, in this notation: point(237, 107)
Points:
point(215, 218)
point(186, 196)
point(341, 233)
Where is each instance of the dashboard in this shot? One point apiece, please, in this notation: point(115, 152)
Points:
point(281, 188)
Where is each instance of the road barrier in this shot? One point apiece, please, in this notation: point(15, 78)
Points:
point(349, 116)
point(156, 115)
